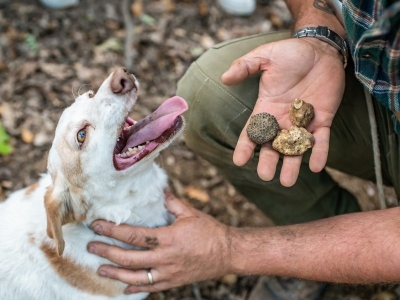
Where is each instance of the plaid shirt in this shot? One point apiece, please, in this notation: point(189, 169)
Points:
point(373, 33)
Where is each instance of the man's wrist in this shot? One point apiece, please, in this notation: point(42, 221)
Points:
point(335, 26)
point(250, 252)
point(234, 259)
point(326, 35)
point(324, 48)
point(307, 13)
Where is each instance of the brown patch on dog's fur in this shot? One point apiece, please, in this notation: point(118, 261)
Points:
point(59, 212)
point(54, 219)
point(30, 189)
point(60, 208)
point(81, 277)
point(71, 168)
point(31, 238)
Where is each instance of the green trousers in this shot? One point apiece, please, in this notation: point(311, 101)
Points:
point(217, 114)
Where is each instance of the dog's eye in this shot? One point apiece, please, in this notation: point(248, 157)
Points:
point(81, 136)
point(91, 94)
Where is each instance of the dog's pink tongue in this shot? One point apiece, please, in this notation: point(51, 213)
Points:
point(153, 126)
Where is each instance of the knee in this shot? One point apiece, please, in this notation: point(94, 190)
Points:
point(214, 119)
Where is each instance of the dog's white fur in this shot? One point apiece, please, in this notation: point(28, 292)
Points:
point(82, 186)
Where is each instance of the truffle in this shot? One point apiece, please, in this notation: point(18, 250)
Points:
point(294, 141)
point(262, 128)
point(301, 113)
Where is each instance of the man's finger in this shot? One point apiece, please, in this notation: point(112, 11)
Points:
point(319, 154)
point(176, 207)
point(158, 286)
point(244, 149)
point(136, 278)
point(290, 170)
point(267, 162)
point(244, 67)
point(138, 236)
point(131, 259)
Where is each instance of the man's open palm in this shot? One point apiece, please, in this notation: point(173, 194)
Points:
point(295, 68)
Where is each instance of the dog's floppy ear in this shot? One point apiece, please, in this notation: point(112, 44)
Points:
point(57, 202)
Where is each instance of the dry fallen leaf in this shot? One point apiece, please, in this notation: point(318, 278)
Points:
point(169, 5)
point(137, 8)
point(88, 75)
point(7, 184)
point(197, 194)
point(9, 117)
point(276, 21)
point(58, 71)
point(27, 136)
point(206, 41)
point(229, 279)
point(384, 295)
point(27, 70)
point(112, 24)
point(202, 8)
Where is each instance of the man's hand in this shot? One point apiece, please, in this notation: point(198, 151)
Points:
point(303, 68)
point(194, 248)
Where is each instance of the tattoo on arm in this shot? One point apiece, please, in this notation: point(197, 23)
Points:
point(323, 5)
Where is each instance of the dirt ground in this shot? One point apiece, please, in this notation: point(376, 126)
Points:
point(48, 56)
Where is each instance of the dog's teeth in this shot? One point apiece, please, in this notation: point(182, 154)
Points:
point(147, 142)
point(132, 150)
point(140, 147)
point(129, 152)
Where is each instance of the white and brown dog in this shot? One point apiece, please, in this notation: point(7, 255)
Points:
point(101, 166)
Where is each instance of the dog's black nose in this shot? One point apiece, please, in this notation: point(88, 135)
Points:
point(122, 82)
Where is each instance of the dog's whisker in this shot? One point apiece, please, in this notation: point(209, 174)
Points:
point(82, 87)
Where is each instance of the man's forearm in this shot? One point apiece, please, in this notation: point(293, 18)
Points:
point(354, 248)
point(313, 13)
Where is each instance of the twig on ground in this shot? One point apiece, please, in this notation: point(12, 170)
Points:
point(130, 52)
point(196, 291)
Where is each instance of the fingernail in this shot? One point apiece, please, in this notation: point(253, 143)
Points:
point(92, 249)
point(97, 228)
point(103, 273)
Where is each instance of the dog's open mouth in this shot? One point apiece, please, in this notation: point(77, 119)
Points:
point(139, 139)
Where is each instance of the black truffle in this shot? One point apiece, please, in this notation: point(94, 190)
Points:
point(262, 128)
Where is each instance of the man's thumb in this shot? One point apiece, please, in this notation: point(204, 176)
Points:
point(175, 206)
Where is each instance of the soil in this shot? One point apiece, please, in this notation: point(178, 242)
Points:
point(47, 57)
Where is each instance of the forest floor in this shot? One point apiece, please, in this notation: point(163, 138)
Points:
point(48, 56)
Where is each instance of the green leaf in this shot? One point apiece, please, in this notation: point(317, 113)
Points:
point(112, 44)
point(30, 41)
point(147, 19)
point(5, 147)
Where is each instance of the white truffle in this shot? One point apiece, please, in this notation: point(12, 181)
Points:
point(294, 141)
point(301, 113)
